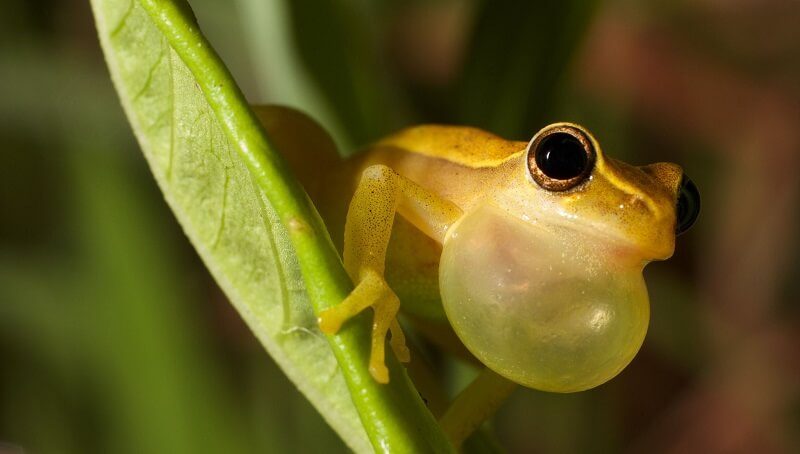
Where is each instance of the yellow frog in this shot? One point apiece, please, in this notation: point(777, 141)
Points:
point(532, 251)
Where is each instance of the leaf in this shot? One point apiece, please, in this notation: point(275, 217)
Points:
point(281, 77)
point(141, 336)
point(234, 198)
point(517, 59)
point(323, 57)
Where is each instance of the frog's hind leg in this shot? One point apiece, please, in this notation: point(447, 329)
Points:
point(380, 194)
point(305, 145)
point(475, 404)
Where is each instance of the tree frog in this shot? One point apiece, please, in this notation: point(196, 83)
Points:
point(532, 251)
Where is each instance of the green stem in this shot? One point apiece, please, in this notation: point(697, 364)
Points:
point(475, 404)
point(394, 416)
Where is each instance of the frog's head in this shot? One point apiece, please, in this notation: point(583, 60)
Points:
point(570, 182)
point(544, 284)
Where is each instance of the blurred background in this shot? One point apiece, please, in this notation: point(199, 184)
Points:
point(114, 338)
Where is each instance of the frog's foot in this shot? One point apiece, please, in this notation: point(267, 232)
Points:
point(373, 292)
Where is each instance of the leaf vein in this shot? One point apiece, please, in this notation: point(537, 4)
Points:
point(150, 73)
point(121, 24)
point(221, 225)
point(270, 234)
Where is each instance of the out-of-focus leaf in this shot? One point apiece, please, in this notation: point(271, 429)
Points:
point(281, 76)
point(142, 339)
point(28, 314)
point(518, 55)
point(339, 47)
point(111, 333)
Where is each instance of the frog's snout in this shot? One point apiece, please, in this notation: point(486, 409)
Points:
point(683, 189)
point(666, 174)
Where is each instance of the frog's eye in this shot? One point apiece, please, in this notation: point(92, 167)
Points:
point(688, 205)
point(560, 157)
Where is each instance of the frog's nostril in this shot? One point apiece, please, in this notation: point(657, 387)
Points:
point(688, 205)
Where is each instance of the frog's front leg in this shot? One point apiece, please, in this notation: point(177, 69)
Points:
point(380, 194)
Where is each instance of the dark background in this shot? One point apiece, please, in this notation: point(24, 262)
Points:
point(113, 337)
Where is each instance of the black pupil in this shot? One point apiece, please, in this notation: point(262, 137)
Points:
point(688, 205)
point(561, 156)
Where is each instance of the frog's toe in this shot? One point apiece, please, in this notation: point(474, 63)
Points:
point(330, 321)
point(385, 317)
point(367, 293)
point(398, 342)
point(379, 372)
point(373, 292)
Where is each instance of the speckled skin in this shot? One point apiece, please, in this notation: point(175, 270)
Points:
point(456, 171)
point(443, 180)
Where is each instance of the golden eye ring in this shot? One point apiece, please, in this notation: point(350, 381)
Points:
point(560, 157)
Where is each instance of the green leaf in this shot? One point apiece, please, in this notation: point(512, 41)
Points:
point(336, 43)
point(519, 54)
point(281, 75)
point(251, 222)
point(324, 58)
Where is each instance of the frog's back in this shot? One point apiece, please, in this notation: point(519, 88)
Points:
point(462, 145)
point(460, 164)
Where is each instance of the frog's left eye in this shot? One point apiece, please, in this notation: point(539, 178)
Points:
point(560, 157)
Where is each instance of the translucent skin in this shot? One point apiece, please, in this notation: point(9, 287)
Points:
point(538, 306)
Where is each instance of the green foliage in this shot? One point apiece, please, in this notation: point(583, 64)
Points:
point(518, 55)
point(231, 193)
point(105, 337)
point(234, 198)
point(114, 339)
point(342, 55)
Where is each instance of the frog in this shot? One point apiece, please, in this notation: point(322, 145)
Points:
point(530, 252)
